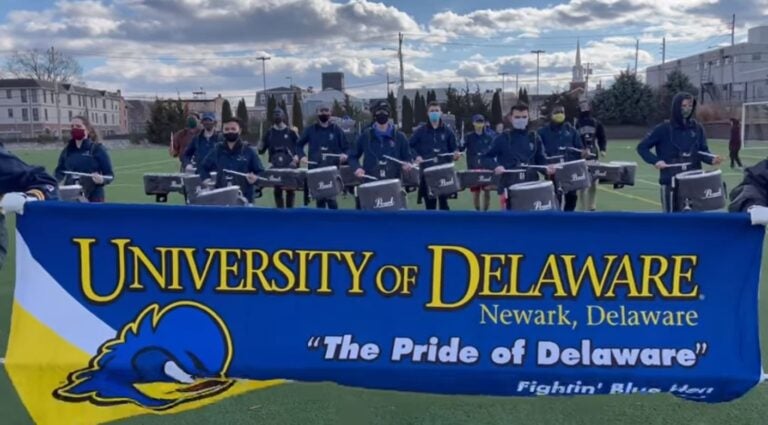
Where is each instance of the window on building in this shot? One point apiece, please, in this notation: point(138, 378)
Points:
point(46, 114)
point(33, 95)
point(24, 114)
point(23, 96)
point(262, 99)
point(45, 96)
point(35, 114)
point(70, 115)
point(10, 112)
point(9, 94)
point(79, 100)
point(69, 99)
point(104, 103)
point(105, 119)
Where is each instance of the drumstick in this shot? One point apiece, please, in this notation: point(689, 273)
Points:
point(369, 177)
point(399, 161)
point(75, 173)
point(449, 154)
point(538, 166)
point(684, 164)
point(575, 149)
point(707, 154)
point(237, 173)
point(337, 155)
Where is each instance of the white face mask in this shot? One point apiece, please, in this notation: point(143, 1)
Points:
point(519, 123)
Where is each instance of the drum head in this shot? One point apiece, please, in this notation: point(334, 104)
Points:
point(532, 185)
point(322, 169)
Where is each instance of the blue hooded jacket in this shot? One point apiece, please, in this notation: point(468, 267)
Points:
point(514, 148)
point(241, 158)
point(561, 139)
point(90, 157)
point(373, 146)
point(428, 142)
point(676, 141)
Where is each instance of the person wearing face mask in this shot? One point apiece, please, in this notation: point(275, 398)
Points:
point(236, 155)
point(281, 144)
point(20, 183)
point(202, 144)
point(84, 154)
point(516, 147)
point(592, 135)
point(378, 141)
point(679, 140)
point(561, 139)
point(182, 138)
point(328, 146)
point(434, 144)
point(476, 144)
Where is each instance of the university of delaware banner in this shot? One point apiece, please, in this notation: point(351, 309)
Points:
point(128, 310)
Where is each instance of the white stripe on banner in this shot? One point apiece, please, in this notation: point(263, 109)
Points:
point(2, 360)
point(40, 295)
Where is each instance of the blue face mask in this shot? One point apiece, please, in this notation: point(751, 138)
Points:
point(435, 116)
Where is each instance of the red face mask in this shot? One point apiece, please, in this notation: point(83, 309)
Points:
point(78, 133)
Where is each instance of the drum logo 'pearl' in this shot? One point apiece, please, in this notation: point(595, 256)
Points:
point(446, 183)
point(321, 185)
point(380, 203)
point(710, 194)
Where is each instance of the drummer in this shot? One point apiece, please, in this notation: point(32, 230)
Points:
point(281, 143)
point(236, 155)
point(680, 140)
point(380, 140)
point(516, 147)
point(592, 135)
point(327, 147)
point(434, 143)
point(476, 144)
point(85, 154)
point(560, 139)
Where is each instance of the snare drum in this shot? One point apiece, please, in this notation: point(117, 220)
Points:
point(192, 184)
point(72, 193)
point(699, 190)
point(411, 179)
point(281, 159)
point(628, 170)
point(163, 183)
point(572, 176)
point(225, 196)
point(532, 196)
point(324, 182)
point(348, 177)
point(470, 179)
point(605, 173)
point(285, 178)
point(512, 177)
point(382, 195)
point(442, 180)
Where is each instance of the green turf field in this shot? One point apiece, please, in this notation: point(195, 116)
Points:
point(331, 404)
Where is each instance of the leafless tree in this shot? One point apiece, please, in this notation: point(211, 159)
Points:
point(48, 65)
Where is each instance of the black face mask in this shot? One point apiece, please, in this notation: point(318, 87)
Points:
point(208, 127)
point(382, 118)
point(278, 121)
point(323, 118)
point(231, 137)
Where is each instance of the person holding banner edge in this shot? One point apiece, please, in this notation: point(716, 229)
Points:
point(679, 145)
point(20, 183)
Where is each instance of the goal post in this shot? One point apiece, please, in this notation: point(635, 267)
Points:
point(754, 125)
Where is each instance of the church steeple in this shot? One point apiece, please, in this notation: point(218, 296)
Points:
point(578, 70)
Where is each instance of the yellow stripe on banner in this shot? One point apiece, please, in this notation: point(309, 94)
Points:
point(38, 361)
point(626, 195)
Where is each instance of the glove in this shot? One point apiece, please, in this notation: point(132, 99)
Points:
point(758, 214)
point(14, 202)
point(190, 169)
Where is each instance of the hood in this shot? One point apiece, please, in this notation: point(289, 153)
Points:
point(677, 114)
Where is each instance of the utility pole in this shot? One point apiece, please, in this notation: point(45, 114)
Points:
point(503, 86)
point(402, 79)
point(663, 50)
point(517, 82)
point(537, 52)
point(733, 30)
point(637, 52)
point(264, 60)
point(586, 78)
point(56, 89)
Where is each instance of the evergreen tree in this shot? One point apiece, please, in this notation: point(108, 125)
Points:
point(242, 115)
point(628, 101)
point(226, 111)
point(165, 119)
point(431, 96)
point(337, 110)
point(420, 109)
point(408, 123)
point(676, 82)
point(392, 106)
point(522, 96)
point(496, 113)
point(271, 106)
point(297, 114)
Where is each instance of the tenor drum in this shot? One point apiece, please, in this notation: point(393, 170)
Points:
point(699, 190)
point(225, 196)
point(572, 175)
point(324, 182)
point(411, 179)
point(281, 159)
point(163, 183)
point(469, 179)
point(532, 196)
point(605, 172)
point(285, 178)
point(442, 179)
point(348, 177)
point(628, 170)
point(382, 195)
point(72, 193)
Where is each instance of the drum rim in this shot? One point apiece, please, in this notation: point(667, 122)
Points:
point(623, 163)
point(694, 174)
point(319, 169)
point(531, 185)
point(477, 171)
point(220, 190)
point(281, 170)
point(167, 174)
point(577, 161)
point(380, 183)
point(440, 167)
point(70, 186)
point(606, 164)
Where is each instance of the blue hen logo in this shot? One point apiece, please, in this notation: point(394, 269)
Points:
point(164, 358)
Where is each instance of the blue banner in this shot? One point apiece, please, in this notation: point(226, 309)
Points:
point(163, 307)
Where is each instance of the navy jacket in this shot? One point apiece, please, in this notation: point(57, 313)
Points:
point(514, 148)
point(199, 148)
point(676, 141)
point(17, 176)
point(330, 139)
point(89, 158)
point(558, 139)
point(475, 147)
point(241, 158)
point(279, 140)
point(753, 189)
point(427, 142)
point(373, 146)
point(592, 132)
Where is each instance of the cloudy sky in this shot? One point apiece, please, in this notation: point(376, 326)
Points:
point(164, 47)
